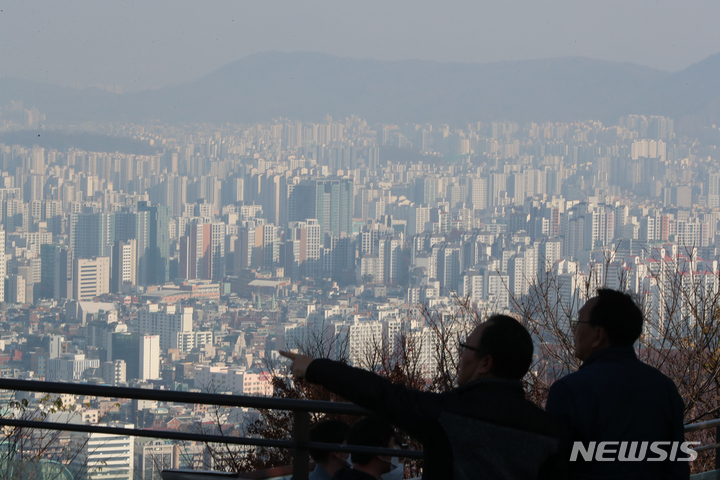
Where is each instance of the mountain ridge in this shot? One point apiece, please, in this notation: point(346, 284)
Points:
point(306, 86)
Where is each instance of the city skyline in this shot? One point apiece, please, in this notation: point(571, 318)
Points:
point(189, 268)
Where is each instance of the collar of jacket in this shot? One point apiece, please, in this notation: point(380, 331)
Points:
point(610, 354)
point(496, 384)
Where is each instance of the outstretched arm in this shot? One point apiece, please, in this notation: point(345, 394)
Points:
point(406, 408)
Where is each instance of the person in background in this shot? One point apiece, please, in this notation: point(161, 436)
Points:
point(615, 397)
point(371, 432)
point(327, 463)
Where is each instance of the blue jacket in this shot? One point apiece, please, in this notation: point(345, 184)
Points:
point(615, 397)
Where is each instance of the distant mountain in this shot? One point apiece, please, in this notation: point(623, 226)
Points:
point(691, 95)
point(307, 86)
point(63, 140)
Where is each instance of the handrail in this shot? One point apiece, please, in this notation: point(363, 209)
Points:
point(691, 427)
point(205, 437)
point(301, 408)
point(270, 403)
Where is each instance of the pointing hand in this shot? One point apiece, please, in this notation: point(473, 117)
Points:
point(299, 364)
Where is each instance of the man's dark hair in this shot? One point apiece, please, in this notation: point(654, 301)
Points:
point(369, 432)
point(510, 346)
point(327, 431)
point(618, 314)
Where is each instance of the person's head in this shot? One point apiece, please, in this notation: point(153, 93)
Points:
point(329, 431)
point(373, 432)
point(499, 347)
point(611, 319)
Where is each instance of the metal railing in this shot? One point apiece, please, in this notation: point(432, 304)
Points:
point(301, 409)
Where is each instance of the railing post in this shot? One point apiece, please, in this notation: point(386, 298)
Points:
point(717, 450)
point(301, 455)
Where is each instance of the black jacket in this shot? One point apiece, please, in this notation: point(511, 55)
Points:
point(348, 473)
point(484, 429)
point(616, 397)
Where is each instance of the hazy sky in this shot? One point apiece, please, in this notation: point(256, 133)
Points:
point(148, 43)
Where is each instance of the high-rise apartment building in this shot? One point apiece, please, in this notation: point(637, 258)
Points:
point(329, 200)
point(91, 277)
point(217, 248)
point(245, 247)
point(15, 289)
point(108, 456)
point(114, 372)
point(56, 270)
point(149, 357)
point(338, 255)
point(155, 456)
point(125, 346)
point(478, 192)
point(713, 190)
point(3, 265)
point(196, 252)
point(166, 321)
point(124, 265)
point(69, 367)
point(158, 250)
point(91, 234)
point(305, 244)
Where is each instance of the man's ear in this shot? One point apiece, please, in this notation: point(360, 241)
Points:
point(601, 339)
point(485, 367)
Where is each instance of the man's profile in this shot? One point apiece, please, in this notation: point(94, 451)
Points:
point(614, 397)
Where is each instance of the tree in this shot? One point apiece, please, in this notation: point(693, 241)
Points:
point(399, 359)
point(36, 453)
point(681, 335)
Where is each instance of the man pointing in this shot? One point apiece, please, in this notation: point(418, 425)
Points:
point(485, 428)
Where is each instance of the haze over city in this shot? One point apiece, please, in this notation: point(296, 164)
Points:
point(139, 45)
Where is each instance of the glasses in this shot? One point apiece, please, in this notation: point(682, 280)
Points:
point(575, 322)
point(464, 346)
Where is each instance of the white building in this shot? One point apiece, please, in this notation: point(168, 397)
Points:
point(3, 264)
point(114, 372)
point(149, 357)
point(69, 367)
point(173, 325)
point(153, 456)
point(91, 277)
point(15, 289)
point(124, 268)
point(186, 341)
point(363, 338)
point(108, 456)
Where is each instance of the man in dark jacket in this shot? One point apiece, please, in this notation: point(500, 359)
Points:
point(485, 428)
point(615, 397)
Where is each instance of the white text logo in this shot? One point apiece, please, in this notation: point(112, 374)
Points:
point(634, 451)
